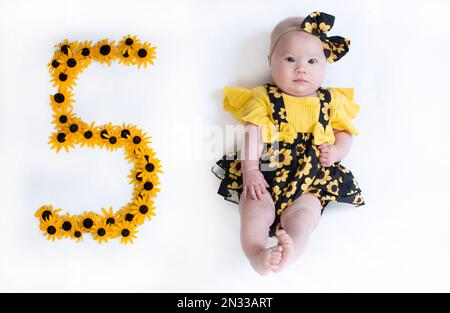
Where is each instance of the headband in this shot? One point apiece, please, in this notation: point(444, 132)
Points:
point(318, 24)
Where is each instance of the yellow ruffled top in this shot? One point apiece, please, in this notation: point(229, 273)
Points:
point(253, 106)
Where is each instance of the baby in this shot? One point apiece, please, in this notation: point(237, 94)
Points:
point(296, 135)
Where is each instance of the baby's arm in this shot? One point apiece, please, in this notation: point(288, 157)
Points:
point(253, 180)
point(330, 154)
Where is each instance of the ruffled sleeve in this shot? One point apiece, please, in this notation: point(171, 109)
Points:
point(343, 109)
point(247, 105)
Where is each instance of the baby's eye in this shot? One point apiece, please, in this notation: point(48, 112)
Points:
point(290, 59)
point(312, 61)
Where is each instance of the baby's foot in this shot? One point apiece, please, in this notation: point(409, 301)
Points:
point(287, 245)
point(266, 260)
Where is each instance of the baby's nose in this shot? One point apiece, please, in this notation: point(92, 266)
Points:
point(300, 69)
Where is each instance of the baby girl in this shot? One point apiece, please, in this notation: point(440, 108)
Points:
point(296, 135)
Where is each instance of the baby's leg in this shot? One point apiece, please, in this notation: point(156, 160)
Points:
point(298, 220)
point(256, 218)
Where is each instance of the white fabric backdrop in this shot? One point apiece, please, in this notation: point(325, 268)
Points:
point(397, 63)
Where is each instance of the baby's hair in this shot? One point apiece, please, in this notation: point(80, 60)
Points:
point(283, 27)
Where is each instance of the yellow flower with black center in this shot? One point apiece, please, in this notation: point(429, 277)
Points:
point(62, 100)
point(300, 149)
point(52, 228)
point(142, 209)
point(127, 50)
point(136, 141)
point(145, 54)
point(110, 217)
point(90, 135)
point(127, 232)
point(45, 212)
point(148, 188)
point(88, 220)
point(235, 168)
point(310, 27)
point(77, 233)
point(129, 42)
point(71, 64)
point(282, 175)
point(66, 48)
point(102, 231)
point(104, 51)
point(305, 167)
point(67, 225)
point(308, 181)
point(274, 91)
point(280, 158)
point(85, 52)
point(290, 189)
point(323, 177)
point(60, 140)
point(148, 166)
point(63, 80)
point(282, 113)
point(333, 187)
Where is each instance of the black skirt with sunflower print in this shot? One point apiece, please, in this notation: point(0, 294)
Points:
point(291, 169)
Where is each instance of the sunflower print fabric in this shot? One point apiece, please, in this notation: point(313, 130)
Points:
point(318, 24)
point(292, 167)
point(69, 60)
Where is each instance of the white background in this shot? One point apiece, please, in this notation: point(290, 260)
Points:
point(398, 65)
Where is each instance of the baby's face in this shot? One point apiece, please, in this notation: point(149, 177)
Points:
point(298, 64)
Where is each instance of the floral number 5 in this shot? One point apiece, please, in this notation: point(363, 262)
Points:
point(69, 60)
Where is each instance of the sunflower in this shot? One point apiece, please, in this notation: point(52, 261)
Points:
point(89, 135)
point(62, 100)
point(45, 212)
point(129, 43)
point(290, 189)
point(62, 117)
point(127, 232)
point(102, 231)
point(66, 48)
point(54, 64)
point(137, 141)
point(52, 228)
point(135, 176)
point(67, 226)
point(59, 140)
point(333, 188)
point(148, 189)
point(84, 52)
point(142, 209)
point(145, 54)
point(282, 175)
point(104, 51)
point(73, 129)
point(325, 110)
point(276, 190)
point(280, 158)
point(106, 132)
point(111, 137)
point(274, 91)
point(88, 221)
point(235, 168)
point(72, 64)
point(63, 80)
point(110, 217)
point(305, 167)
point(77, 233)
point(322, 177)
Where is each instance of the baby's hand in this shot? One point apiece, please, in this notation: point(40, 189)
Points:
point(254, 184)
point(329, 154)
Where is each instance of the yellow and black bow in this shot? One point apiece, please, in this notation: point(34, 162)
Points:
point(318, 24)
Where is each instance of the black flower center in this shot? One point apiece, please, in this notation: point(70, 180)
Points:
point(73, 128)
point(77, 234)
point(51, 230)
point(61, 137)
point(281, 158)
point(137, 140)
point(65, 49)
point(46, 215)
point(125, 55)
point(55, 63)
point(143, 209)
point(150, 167)
point(71, 62)
point(62, 77)
point(125, 232)
point(101, 232)
point(148, 186)
point(67, 226)
point(138, 176)
point(129, 41)
point(110, 221)
point(113, 140)
point(88, 223)
point(88, 134)
point(59, 98)
point(125, 133)
point(129, 217)
point(104, 133)
point(85, 52)
point(105, 49)
point(63, 119)
point(142, 53)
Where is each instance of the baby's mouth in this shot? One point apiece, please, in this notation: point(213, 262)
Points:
point(300, 81)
